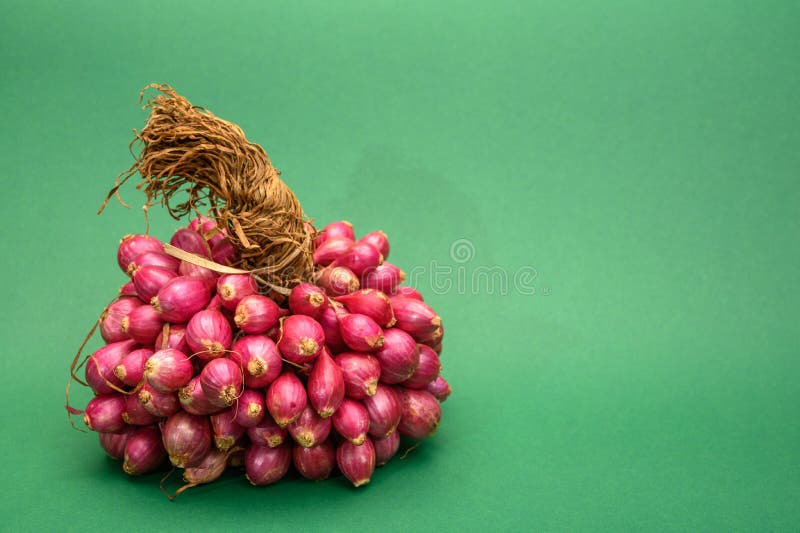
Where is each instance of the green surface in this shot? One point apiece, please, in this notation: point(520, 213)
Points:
point(641, 157)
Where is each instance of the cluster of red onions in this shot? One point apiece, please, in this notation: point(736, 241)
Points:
point(207, 371)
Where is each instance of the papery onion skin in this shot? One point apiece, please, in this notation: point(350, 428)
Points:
point(144, 452)
point(231, 288)
point(315, 463)
point(357, 463)
point(421, 413)
point(309, 429)
point(439, 388)
point(399, 356)
point(384, 409)
point(222, 381)
point(386, 448)
point(250, 408)
point(168, 370)
point(187, 439)
point(325, 385)
point(265, 465)
point(209, 334)
point(361, 373)
point(132, 246)
point(360, 332)
point(307, 299)
point(259, 359)
point(99, 367)
point(378, 240)
point(256, 314)
point(114, 443)
point(180, 298)
point(267, 433)
point(351, 421)
point(301, 339)
point(286, 398)
point(427, 370)
point(104, 413)
point(158, 403)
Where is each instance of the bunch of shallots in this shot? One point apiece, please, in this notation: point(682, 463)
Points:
point(210, 371)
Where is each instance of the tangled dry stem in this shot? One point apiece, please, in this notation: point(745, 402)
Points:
point(186, 149)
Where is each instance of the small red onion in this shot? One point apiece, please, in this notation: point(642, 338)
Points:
point(135, 414)
point(180, 298)
point(338, 280)
point(407, 292)
point(223, 252)
point(233, 287)
point(336, 230)
point(259, 359)
point(157, 403)
point(386, 448)
point(190, 241)
point(168, 370)
point(210, 468)
point(132, 246)
point(439, 388)
point(286, 399)
point(351, 421)
point(310, 429)
point(427, 370)
point(267, 433)
point(194, 401)
point(415, 317)
point(148, 280)
point(144, 452)
point(191, 270)
point(315, 463)
point(378, 240)
point(176, 339)
point(399, 356)
point(357, 463)
point(361, 373)
point(222, 381)
point(301, 338)
point(215, 304)
point(371, 303)
point(104, 413)
point(360, 332)
point(331, 250)
point(437, 348)
point(187, 439)
point(100, 366)
point(250, 408)
point(359, 258)
point(325, 385)
point(421, 413)
point(128, 289)
point(202, 225)
point(265, 465)
point(432, 337)
point(154, 259)
point(111, 321)
point(226, 430)
point(384, 411)
point(307, 299)
point(330, 325)
point(114, 443)
point(144, 324)
point(385, 278)
point(209, 334)
point(256, 314)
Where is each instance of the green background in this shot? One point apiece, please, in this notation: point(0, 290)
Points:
point(642, 157)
